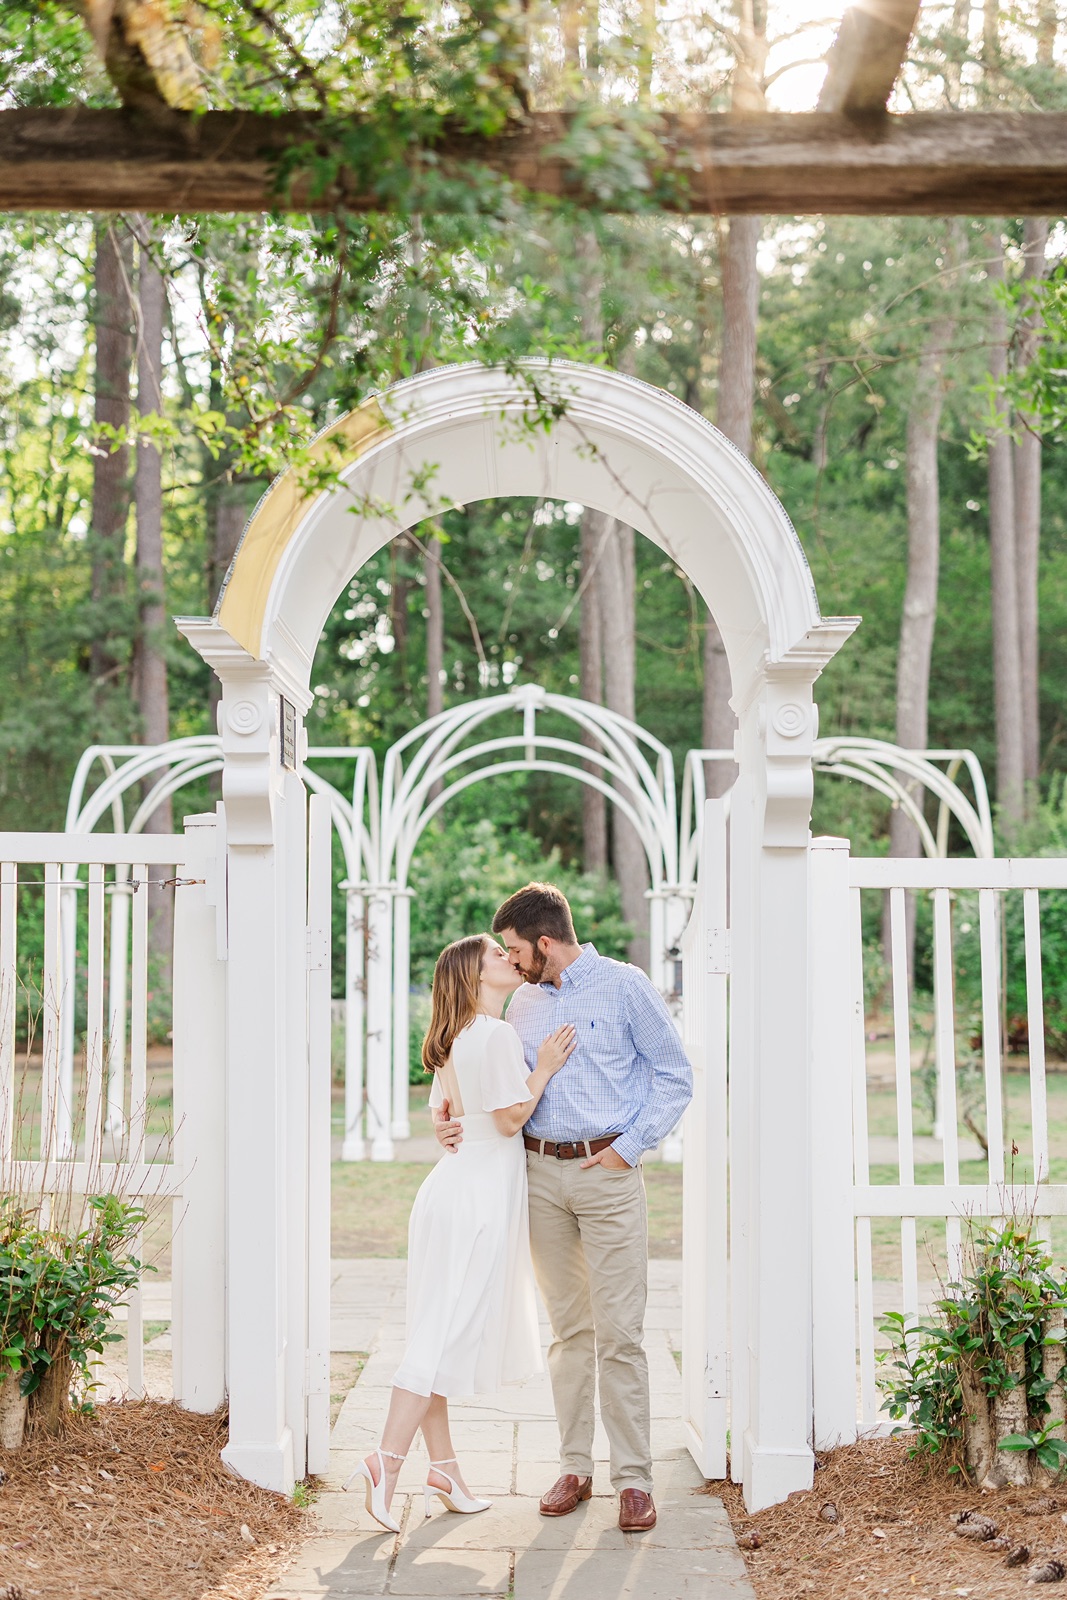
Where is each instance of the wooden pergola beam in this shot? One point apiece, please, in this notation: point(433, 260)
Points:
point(935, 164)
point(866, 57)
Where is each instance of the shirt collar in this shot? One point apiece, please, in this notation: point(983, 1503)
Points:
point(581, 968)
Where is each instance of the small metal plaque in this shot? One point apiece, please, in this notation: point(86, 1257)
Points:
point(288, 715)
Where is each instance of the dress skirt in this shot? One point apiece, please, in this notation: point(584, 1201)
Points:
point(471, 1307)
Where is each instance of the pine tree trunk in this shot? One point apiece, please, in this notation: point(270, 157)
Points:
point(13, 1406)
point(1003, 569)
point(50, 1404)
point(113, 324)
point(737, 387)
point(150, 660)
point(591, 685)
point(977, 1426)
point(616, 572)
point(1027, 481)
point(1052, 1364)
point(1010, 1416)
point(919, 615)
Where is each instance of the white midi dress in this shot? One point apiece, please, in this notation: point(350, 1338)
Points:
point(471, 1309)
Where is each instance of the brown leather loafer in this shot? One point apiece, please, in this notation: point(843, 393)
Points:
point(637, 1513)
point(565, 1495)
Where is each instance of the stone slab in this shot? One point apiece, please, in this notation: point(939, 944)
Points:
point(630, 1575)
point(451, 1572)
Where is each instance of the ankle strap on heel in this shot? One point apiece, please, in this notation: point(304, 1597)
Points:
point(390, 1453)
point(449, 1461)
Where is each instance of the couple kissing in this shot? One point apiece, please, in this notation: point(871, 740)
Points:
point(544, 1119)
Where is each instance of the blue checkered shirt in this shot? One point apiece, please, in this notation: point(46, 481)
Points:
point(628, 1073)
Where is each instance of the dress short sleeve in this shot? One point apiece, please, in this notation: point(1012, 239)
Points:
point(503, 1070)
point(436, 1093)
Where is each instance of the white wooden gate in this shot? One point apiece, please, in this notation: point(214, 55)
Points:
point(87, 1120)
point(880, 1246)
point(705, 965)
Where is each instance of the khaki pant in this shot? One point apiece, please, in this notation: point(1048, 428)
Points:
point(589, 1236)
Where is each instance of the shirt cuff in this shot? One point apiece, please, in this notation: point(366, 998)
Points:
point(629, 1148)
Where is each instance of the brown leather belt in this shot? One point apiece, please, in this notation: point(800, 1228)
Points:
point(575, 1150)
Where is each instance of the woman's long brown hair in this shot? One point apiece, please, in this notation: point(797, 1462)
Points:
point(456, 986)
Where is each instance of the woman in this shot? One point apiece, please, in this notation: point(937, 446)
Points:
point(472, 1316)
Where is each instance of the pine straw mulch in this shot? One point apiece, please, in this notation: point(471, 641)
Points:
point(133, 1500)
point(894, 1535)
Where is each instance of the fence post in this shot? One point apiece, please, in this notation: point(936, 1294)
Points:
point(198, 1327)
point(832, 1225)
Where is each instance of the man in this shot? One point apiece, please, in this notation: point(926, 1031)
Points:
point(623, 1089)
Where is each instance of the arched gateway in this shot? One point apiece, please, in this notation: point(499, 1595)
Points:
point(449, 437)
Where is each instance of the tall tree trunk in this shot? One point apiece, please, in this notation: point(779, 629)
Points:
point(1026, 466)
point(924, 557)
point(1003, 559)
point(737, 385)
point(150, 660)
point(616, 572)
point(591, 684)
point(113, 320)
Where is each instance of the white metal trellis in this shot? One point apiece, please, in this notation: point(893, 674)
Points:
point(379, 833)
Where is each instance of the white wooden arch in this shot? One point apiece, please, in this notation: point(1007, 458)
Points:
point(453, 436)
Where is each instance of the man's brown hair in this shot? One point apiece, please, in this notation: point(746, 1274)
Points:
point(538, 909)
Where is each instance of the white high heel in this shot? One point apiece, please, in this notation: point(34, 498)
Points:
point(375, 1492)
point(453, 1498)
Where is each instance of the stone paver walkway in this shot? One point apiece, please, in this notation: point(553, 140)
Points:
point(509, 1446)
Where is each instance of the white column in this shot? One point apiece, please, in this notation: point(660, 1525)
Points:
point(198, 1327)
point(770, 1067)
point(320, 1075)
point(353, 1147)
point(266, 1066)
point(833, 1264)
point(379, 1019)
point(401, 1124)
point(292, 864)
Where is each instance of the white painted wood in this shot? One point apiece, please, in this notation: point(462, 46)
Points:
point(1035, 1017)
point(319, 1082)
point(80, 848)
point(155, 1180)
point(861, 1164)
point(705, 1284)
point(94, 1017)
point(353, 1147)
point(832, 1226)
point(8, 1003)
point(379, 1021)
point(401, 1121)
point(118, 967)
point(295, 1085)
point(958, 1200)
point(53, 1113)
point(198, 1327)
point(959, 872)
point(135, 1328)
point(945, 1060)
point(988, 922)
point(902, 1064)
point(139, 1013)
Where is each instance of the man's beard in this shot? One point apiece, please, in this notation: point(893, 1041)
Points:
point(536, 970)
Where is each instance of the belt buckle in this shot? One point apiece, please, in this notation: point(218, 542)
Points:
point(571, 1149)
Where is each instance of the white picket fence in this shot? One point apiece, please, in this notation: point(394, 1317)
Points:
point(75, 1090)
point(854, 1219)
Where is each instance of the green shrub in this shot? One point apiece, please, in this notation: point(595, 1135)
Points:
point(58, 1291)
point(993, 1352)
